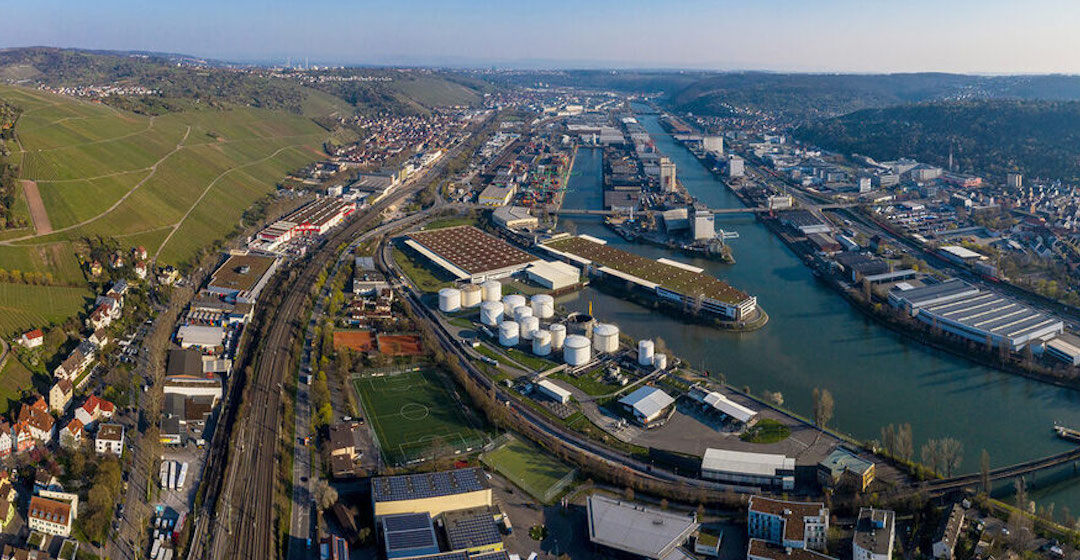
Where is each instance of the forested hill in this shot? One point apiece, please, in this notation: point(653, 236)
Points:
point(1040, 138)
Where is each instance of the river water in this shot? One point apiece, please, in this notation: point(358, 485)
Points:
point(816, 339)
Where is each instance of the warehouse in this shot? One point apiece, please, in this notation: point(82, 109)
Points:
point(470, 254)
point(726, 407)
point(514, 217)
point(1063, 350)
point(553, 275)
point(647, 404)
point(552, 391)
point(804, 221)
point(684, 285)
point(242, 277)
point(497, 195)
point(197, 336)
point(638, 530)
point(431, 493)
point(985, 317)
point(316, 218)
point(766, 470)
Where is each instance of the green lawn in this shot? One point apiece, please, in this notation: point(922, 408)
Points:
point(589, 383)
point(451, 222)
point(423, 274)
point(24, 307)
point(13, 379)
point(530, 468)
point(535, 363)
point(415, 416)
point(766, 430)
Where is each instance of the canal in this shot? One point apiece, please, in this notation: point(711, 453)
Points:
point(816, 339)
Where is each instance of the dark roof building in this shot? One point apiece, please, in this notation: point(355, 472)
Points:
point(409, 534)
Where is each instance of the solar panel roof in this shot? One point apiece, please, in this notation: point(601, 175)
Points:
point(471, 528)
point(428, 485)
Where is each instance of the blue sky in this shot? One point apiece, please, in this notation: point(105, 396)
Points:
point(991, 36)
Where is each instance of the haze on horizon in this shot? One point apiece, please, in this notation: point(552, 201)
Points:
point(965, 36)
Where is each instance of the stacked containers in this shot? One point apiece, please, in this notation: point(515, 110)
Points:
point(492, 290)
point(529, 326)
point(541, 345)
point(449, 300)
point(645, 352)
point(470, 295)
point(605, 337)
point(543, 306)
point(558, 336)
point(577, 350)
point(491, 313)
point(509, 333)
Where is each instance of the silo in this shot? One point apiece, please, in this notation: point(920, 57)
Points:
point(645, 352)
point(508, 333)
point(577, 350)
point(541, 343)
point(558, 336)
point(492, 290)
point(543, 306)
point(470, 295)
point(605, 337)
point(660, 361)
point(529, 326)
point(512, 302)
point(522, 312)
point(491, 313)
point(449, 300)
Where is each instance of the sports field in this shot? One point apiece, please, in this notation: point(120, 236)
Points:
point(532, 469)
point(416, 417)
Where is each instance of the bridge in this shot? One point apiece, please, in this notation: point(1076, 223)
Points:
point(946, 485)
point(715, 211)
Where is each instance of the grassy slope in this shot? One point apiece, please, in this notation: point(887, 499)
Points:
point(23, 307)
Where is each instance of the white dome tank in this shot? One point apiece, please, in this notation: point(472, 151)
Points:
point(558, 336)
point(522, 312)
point(541, 343)
point(529, 326)
point(605, 337)
point(645, 352)
point(543, 306)
point(449, 300)
point(492, 290)
point(512, 302)
point(577, 350)
point(470, 295)
point(508, 333)
point(659, 361)
point(491, 313)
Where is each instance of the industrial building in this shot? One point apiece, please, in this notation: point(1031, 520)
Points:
point(788, 523)
point(198, 336)
point(648, 405)
point(553, 275)
point(668, 182)
point(549, 389)
point(982, 316)
point(242, 277)
point(638, 530)
point(472, 530)
point(431, 493)
point(722, 405)
point(1064, 350)
point(497, 194)
point(669, 280)
point(804, 221)
point(874, 534)
point(470, 254)
point(367, 280)
point(704, 225)
point(514, 217)
point(315, 218)
point(766, 470)
point(845, 468)
point(407, 535)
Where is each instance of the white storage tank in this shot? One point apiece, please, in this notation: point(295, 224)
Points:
point(645, 352)
point(492, 290)
point(491, 313)
point(543, 306)
point(522, 312)
point(577, 350)
point(508, 333)
point(558, 336)
point(512, 302)
point(449, 300)
point(659, 361)
point(529, 326)
point(470, 295)
point(542, 343)
point(605, 337)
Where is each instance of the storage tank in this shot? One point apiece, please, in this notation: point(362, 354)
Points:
point(470, 295)
point(508, 333)
point(529, 326)
point(512, 302)
point(491, 313)
point(543, 306)
point(580, 323)
point(558, 336)
point(492, 290)
point(449, 300)
point(605, 337)
point(522, 312)
point(659, 361)
point(542, 343)
point(577, 350)
point(645, 352)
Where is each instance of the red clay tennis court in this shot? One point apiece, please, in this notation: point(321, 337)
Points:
point(360, 341)
point(400, 345)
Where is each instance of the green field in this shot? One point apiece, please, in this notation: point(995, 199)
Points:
point(14, 378)
point(415, 417)
point(530, 468)
point(766, 430)
point(24, 307)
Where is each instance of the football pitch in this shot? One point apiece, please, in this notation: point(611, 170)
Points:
point(416, 416)
point(534, 470)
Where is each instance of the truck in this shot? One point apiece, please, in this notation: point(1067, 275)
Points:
point(182, 477)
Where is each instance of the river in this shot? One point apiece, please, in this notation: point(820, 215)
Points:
point(816, 339)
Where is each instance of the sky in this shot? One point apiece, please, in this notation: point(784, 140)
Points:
point(987, 36)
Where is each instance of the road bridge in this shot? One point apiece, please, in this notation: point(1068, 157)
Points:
point(715, 211)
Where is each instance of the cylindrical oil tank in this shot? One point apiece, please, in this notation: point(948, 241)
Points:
point(492, 290)
point(558, 336)
point(522, 312)
point(580, 323)
point(449, 300)
point(508, 333)
point(542, 343)
point(470, 295)
point(577, 350)
point(543, 306)
point(645, 352)
point(605, 337)
point(659, 361)
point(512, 302)
point(529, 326)
point(491, 313)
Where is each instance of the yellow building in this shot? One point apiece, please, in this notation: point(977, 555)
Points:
point(431, 493)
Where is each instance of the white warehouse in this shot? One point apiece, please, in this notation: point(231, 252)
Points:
point(766, 470)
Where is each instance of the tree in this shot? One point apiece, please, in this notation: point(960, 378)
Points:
point(823, 407)
point(325, 495)
point(905, 444)
point(931, 454)
point(628, 493)
point(952, 454)
point(984, 471)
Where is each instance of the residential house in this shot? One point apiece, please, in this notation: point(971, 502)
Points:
point(60, 396)
point(94, 409)
point(104, 314)
point(139, 253)
point(52, 517)
point(99, 338)
point(95, 268)
point(948, 533)
point(71, 436)
point(23, 438)
point(8, 500)
point(37, 418)
point(140, 270)
point(801, 525)
point(110, 439)
point(874, 535)
point(32, 339)
point(343, 451)
point(77, 361)
point(6, 442)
